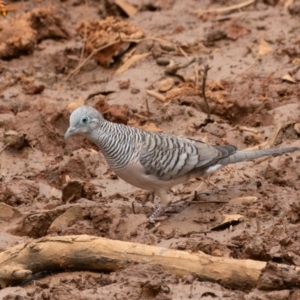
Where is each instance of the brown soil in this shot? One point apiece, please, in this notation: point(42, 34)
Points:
point(52, 186)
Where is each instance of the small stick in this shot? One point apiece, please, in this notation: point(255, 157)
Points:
point(200, 186)
point(260, 160)
point(133, 208)
point(184, 53)
point(270, 141)
point(85, 35)
point(196, 74)
point(111, 44)
point(147, 105)
point(141, 117)
point(245, 128)
point(157, 96)
point(90, 56)
point(172, 68)
point(205, 202)
point(206, 69)
point(4, 148)
point(191, 61)
point(155, 227)
point(225, 9)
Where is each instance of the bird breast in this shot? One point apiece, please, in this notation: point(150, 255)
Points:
point(135, 175)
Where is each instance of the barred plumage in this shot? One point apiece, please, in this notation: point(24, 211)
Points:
point(155, 161)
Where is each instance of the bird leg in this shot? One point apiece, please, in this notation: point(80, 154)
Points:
point(156, 215)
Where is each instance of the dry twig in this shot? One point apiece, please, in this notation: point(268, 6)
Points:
point(157, 96)
point(271, 140)
point(77, 69)
point(172, 68)
point(3, 148)
point(206, 69)
point(81, 64)
point(224, 9)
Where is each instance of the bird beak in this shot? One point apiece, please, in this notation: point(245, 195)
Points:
point(69, 132)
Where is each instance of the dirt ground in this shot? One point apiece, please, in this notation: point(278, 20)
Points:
point(144, 75)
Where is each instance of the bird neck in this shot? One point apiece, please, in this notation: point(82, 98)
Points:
point(117, 142)
point(103, 135)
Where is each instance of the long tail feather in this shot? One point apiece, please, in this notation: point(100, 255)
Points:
point(253, 154)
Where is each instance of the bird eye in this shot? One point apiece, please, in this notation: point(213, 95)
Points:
point(84, 120)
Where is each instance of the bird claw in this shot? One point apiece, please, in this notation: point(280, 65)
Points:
point(156, 215)
point(157, 219)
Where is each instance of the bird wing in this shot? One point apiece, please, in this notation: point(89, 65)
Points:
point(168, 157)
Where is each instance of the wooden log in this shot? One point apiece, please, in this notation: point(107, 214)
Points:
point(94, 253)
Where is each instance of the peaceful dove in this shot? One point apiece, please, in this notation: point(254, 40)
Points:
point(156, 161)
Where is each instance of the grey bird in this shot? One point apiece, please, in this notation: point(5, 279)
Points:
point(156, 161)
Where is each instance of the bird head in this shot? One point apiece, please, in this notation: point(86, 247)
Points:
point(83, 120)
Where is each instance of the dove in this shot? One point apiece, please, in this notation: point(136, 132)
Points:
point(156, 161)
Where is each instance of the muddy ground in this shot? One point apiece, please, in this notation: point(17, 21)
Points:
point(253, 91)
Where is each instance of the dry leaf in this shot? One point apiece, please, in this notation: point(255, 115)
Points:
point(296, 61)
point(297, 127)
point(7, 211)
point(166, 84)
point(183, 90)
point(288, 78)
point(106, 39)
point(93, 150)
point(55, 193)
point(235, 30)
point(73, 105)
point(228, 221)
point(288, 3)
point(69, 217)
point(126, 7)
point(264, 48)
point(133, 59)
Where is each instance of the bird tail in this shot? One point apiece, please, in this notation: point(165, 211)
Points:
point(253, 154)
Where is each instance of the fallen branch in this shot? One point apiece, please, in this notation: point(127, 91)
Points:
point(93, 253)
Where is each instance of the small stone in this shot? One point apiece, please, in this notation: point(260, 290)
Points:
point(124, 84)
point(167, 46)
point(14, 139)
point(7, 211)
point(297, 127)
point(166, 84)
point(69, 217)
point(33, 89)
point(162, 61)
point(72, 191)
point(217, 252)
point(295, 295)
